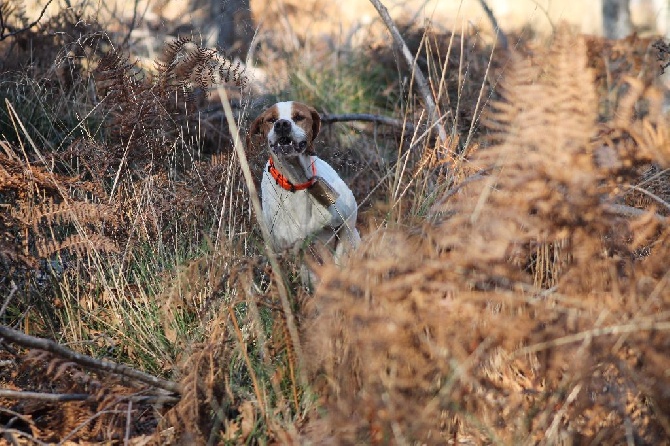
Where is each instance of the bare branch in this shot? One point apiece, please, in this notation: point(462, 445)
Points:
point(8, 299)
point(104, 365)
point(48, 397)
point(629, 211)
point(588, 335)
point(365, 117)
point(9, 433)
point(3, 26)
point(421, 83)
point(64, 397)
point(504, 43)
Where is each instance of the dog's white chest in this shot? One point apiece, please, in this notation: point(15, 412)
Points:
point(295, 216)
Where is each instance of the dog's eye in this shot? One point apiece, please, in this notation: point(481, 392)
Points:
point(271, 120)
point(298, 118)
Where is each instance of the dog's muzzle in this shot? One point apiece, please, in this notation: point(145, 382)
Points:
point(284, 143)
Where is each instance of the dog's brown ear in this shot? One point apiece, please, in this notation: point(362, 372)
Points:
point(254, 129)
point(316, 123)
point(316, 128)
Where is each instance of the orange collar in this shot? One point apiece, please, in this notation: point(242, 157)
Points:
point(286, 184)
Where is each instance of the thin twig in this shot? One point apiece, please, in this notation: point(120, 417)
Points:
point(4, 27)
point(651, 195)
point(131, 27)
point(129, 411)
point(629, 211)
point(85, 361)
point(15, 417)
point(596, 332)
point(20, 433)
point(552, 431)
point(421, 83)
point(365, 117)
point(39, 396)
point(454, 189)
point(502, 37)
point(85, 422)
point(64, 397)
point(8, 299)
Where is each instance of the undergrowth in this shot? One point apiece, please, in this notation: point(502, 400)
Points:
point(510, 288)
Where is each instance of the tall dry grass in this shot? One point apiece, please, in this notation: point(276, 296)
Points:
point(506, 291)
point(441, 333)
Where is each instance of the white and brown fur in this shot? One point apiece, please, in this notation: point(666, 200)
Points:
point(289, 129)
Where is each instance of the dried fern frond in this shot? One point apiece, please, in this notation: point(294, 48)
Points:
point(187, 65)
point(153, 119)
point(207, 399)
point(24, 177)
point(614, 61)
point(116, 75)
point(44, 215)
point(532, 116)
point(53, 213)
point(442, 334)
point(639, 129)
point(82, 245)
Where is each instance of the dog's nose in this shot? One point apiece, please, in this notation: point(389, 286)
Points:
point(283, 127)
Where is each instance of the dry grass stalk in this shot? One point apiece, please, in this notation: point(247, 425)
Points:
point(417, 75)
point(508, 293)
point(419, 339)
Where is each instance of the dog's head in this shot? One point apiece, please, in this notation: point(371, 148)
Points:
point(288, 127)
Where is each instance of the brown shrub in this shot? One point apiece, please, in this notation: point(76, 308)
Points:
point(444, 333)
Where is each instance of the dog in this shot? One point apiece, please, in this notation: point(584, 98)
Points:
point(303, 199)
